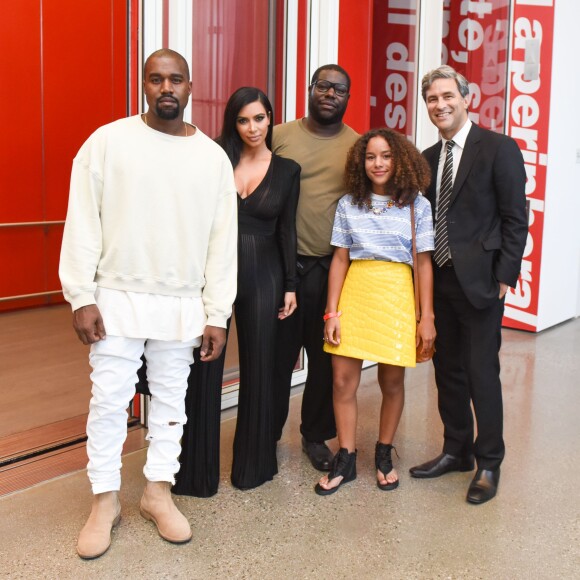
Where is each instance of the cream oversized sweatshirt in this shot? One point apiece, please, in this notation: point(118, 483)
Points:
point(150, 212)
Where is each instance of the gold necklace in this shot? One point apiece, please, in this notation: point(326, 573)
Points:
point(144, 117)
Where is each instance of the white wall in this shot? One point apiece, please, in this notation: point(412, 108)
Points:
point(559, 297)
point(430, 35)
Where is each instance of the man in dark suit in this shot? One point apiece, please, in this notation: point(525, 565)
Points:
point(478, 199)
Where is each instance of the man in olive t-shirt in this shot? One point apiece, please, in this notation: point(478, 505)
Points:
point(319, 143)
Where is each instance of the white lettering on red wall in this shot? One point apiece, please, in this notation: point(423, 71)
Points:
point(393, 74)
point(528, 122)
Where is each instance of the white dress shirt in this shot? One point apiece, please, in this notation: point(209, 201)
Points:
point(459, 139)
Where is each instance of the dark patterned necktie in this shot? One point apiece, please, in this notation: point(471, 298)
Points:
point(441, 240)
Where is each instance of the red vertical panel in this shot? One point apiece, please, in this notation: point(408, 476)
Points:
point(280, 71)
point(80, 86)
point(22, 261)
point(21, 151)
point(76, 80)
point(394, 66)
point(302, 58)
point(165, 24)
point(53, 240)
point(21, 143)
point(96, 58)
point(355, 56)
point(120, 51)
point(134, 58)
point(528, 124)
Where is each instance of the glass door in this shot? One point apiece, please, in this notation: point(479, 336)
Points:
point(228, 44)
point(475, 43)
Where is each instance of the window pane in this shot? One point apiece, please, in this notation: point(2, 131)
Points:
point(230, 50)
point(475, 43)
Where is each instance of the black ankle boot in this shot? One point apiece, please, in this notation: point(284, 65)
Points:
point(343, 464)
point(384, 464)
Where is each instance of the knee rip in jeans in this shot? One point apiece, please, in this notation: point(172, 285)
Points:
point(154, 428)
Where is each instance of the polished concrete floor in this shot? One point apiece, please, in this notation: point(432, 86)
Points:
point(424, 529)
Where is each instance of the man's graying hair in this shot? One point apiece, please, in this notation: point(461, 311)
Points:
point(444, 72)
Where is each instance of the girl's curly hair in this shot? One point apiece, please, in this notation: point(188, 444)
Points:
point(410, 176)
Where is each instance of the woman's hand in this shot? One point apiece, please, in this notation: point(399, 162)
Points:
point(332, 331)
point(289, 307)
point(426, 331)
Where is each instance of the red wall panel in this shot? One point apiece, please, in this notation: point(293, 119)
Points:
point(21, 143)
point(52, 243)
point(394, 66)
point(355, 56)
point(80, 89)
point(302, 82)
point(278, 104)
point(21, 260)
point(72, 67)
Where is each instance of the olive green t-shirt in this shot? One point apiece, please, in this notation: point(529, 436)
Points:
point(321, 180)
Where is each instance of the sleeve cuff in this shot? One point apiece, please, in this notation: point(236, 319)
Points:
point(216, 320)
point(80, 300)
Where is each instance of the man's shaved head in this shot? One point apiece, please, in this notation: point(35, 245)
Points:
point(167, 53)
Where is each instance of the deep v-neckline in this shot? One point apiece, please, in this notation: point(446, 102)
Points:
point(259, 184)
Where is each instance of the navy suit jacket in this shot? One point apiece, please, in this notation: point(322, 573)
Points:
point(487, 219)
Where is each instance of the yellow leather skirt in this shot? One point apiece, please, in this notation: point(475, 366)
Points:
point(378, 313)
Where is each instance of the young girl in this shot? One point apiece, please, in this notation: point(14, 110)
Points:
point(370, 311)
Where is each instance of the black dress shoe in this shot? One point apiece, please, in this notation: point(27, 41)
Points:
point(442, 464)
point(484, 486)
point(319, 454)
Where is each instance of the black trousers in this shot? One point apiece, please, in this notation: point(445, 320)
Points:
point(305, 328)
point(467, 371)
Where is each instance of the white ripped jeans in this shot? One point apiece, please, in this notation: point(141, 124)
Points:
point(115, 362)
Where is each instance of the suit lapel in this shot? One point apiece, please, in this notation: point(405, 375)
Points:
point(433, 160)
point(467, 158)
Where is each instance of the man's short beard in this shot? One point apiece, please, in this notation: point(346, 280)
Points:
point(335, 118)
point(321, 119)
point(167, 114)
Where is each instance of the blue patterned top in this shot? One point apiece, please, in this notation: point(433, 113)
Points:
point(383, 232)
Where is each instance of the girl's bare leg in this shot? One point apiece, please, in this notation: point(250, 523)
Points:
point(392, 382)
point(346, 373)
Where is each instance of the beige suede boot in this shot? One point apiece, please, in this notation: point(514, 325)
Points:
point(157, 505)
point(95, 538)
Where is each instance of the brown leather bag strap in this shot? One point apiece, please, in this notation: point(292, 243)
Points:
point(415, 265)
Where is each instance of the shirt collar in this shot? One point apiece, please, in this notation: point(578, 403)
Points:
point(461, 136)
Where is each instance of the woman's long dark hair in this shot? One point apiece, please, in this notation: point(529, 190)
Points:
point(229, 138)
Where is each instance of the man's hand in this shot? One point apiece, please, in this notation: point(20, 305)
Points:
point(503, 288)
point(88, 324)
point(214, 339)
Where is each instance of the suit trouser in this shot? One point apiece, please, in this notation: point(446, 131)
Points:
point(306, 328)
point(467, 371)
point(115, 362)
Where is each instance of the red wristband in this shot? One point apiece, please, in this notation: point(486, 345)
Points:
point(331, 315)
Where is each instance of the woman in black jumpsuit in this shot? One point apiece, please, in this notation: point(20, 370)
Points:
point(268, 188)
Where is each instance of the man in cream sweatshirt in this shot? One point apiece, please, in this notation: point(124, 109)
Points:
point(148, 264)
